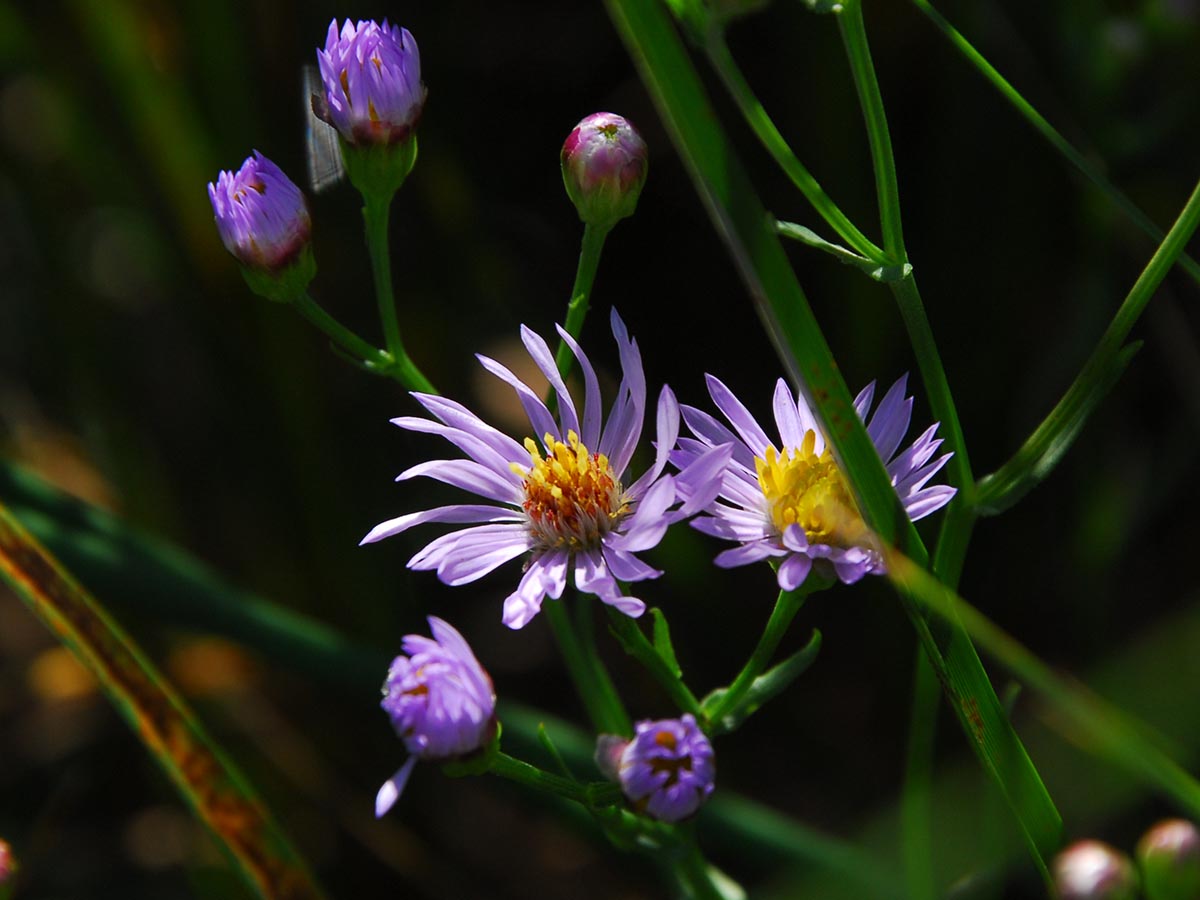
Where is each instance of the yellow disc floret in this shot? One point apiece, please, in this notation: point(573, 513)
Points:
point(572, 496)
point(806, 489)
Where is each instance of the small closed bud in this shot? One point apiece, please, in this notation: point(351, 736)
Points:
point(604, 167)
point(1092, 870)
point(374, 97)
point(8, 865)
point(1169, 856)
point(440, 700)
point(263, 221)
point(667, 771)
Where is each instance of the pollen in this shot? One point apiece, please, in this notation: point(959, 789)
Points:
point(572, 496)
point(806, 489)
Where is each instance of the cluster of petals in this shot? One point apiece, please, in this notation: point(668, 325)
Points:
point(584, 521)
point(440, 701)
point(372, 79)
point(667, 771)
point(743, 511)
point(261, 215)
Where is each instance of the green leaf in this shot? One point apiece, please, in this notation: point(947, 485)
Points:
point(765, 687)
point(849, 257)
point(217, 793)
point(662, 641)
point(748, 231)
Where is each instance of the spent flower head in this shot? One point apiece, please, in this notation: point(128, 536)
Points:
point(604, 167)
point(440, 701)
point(1092, 870)
point(561, 497)
point(789, 501)
point(1169, 857)
point(263, 221)
point(8, 863)
point(667, 771)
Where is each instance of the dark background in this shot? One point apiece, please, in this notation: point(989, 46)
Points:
point(137, 371)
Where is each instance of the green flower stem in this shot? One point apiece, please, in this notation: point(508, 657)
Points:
point(1044, 447)
point(577, 308)
point(376, 211)
point(735, 82)
point(589, 794)
point(694, 874)
point(786, 606)
point(1051, 134)
point(637, 645)
point(854, 36)
point(340, 334)
point(592, 683)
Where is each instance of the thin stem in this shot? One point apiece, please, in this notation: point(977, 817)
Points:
point(339, 333)
point(915, 805)
point(577, 308)
point(375, 217)
point(695, 875)
point(595, 688)
point(787, 604)
point(635, 642)
point(547, 782)
point(756, 117)
point(854, 36)
point(1051, 134)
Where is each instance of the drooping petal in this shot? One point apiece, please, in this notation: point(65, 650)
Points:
point(393, 788)
point(627, 567)
point(793, 571)
point(748, 553)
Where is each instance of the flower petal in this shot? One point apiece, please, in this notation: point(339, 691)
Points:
point(460, 513)
point(479, 450)
point(648, 523)
point(526, 601)
point(627, 567)
point(793, 571)
point(468, 475)
point(700, 483)
point(541, 355)
point(458, 416)
point(739, 417)
point(667, 433)
point(592, 412)
point(748, 553)
point(787, 416)
point(393, 788)
point(891, 419)
point(539, 417)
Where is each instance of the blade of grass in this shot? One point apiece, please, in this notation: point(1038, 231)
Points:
point(1050, 133)
point(749, 233)
point(217, 793)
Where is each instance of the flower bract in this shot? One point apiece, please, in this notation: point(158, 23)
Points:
point(787, 500)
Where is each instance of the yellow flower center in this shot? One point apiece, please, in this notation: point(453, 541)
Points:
point(572, 497)
point(802, 488)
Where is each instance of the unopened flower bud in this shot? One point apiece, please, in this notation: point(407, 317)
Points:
point(374, 98)
point(604, 167)
point(667, 770)
point(1092, 870)
point(1169, 855)
point(263, 221)
point(440, 701)
point(8, 864)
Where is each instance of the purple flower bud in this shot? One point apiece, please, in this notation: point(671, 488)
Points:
point(262, 218)
point(604, 167)
point(440, 701)
point(667, 770)
point(372, 76)
point(8, 864)
point(1169, 854)
point(1092, 870)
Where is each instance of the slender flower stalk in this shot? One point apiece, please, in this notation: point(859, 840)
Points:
point(791, 503)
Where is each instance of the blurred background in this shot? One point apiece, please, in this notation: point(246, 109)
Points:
point(137, 372)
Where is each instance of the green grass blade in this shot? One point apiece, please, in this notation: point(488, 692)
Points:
point(1050, 133)
point(749, 232)
point(1046, 446)
point(1112, 734)
point(216, 792)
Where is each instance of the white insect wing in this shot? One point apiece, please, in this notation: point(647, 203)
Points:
point(325, 168)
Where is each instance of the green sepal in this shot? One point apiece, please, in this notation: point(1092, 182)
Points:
point(765, 687)
point(478, 763)
point(286, 284)
point(378, 170)
point(662, 641)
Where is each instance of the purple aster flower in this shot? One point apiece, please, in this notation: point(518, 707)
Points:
point(666, 771)
point(604, 168)
point(790, 502)
point(372, 77)
point(563, 497)
point(1092, 870)
point(261, 215)
point(440, 701)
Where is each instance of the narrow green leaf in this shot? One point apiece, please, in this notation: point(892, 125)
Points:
point(769, 685)
point(1049, 132)
point(742, 222)
point(662, 641)
point(849, 257)
point(1111, 733)
point(217, 793)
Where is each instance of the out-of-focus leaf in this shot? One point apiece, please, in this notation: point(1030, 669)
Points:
point(216, 792)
